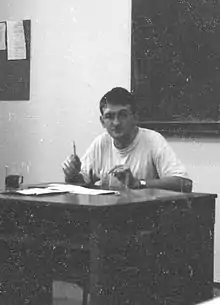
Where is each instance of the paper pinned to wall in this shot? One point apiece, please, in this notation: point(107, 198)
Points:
point(2, 36)
point(16, 46)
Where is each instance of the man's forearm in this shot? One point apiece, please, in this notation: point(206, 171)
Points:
point(177, 184)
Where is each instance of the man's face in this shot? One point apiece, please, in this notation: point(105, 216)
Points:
point(118, 120)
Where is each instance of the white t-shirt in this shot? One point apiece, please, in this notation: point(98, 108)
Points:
point(149, 157)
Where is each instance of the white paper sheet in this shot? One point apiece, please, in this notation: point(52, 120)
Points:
point(61, 189)
point(16, 46)
point(38, 191)
point(76, 189)
point(2, 36)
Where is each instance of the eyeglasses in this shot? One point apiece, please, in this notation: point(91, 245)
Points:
point(121, 115)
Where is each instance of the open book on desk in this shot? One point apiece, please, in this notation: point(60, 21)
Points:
point(56, 188)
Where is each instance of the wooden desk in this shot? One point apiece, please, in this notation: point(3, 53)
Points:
point(142, 247)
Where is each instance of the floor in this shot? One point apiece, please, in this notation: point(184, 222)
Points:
point(65, 302)
point(68, 294)
point(217, 291)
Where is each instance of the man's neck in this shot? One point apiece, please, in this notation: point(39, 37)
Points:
point(126, 141)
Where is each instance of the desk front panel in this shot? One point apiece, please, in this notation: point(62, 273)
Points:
point(151, 249)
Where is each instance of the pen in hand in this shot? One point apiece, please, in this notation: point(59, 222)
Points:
point(74, 163)
point(74, 149)
point(6, 170)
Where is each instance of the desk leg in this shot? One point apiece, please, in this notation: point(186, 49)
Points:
point(24, 277)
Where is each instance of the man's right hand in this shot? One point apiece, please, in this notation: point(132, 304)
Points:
point(71, 167)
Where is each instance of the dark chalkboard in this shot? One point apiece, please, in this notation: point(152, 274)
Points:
point(176, 62)
point(15, 74)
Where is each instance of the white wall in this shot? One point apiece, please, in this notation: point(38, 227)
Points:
point(80, 49)
point(201, 157)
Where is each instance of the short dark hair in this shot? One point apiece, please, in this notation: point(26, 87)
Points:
point(118, 96)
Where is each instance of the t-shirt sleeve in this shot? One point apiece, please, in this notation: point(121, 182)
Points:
point(90, 161)
point(165, 160)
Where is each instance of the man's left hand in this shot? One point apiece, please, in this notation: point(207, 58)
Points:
point(125, 176)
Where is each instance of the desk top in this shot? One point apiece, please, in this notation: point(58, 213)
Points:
point(125, 197)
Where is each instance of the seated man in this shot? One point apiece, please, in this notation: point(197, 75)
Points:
point(127, 154)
